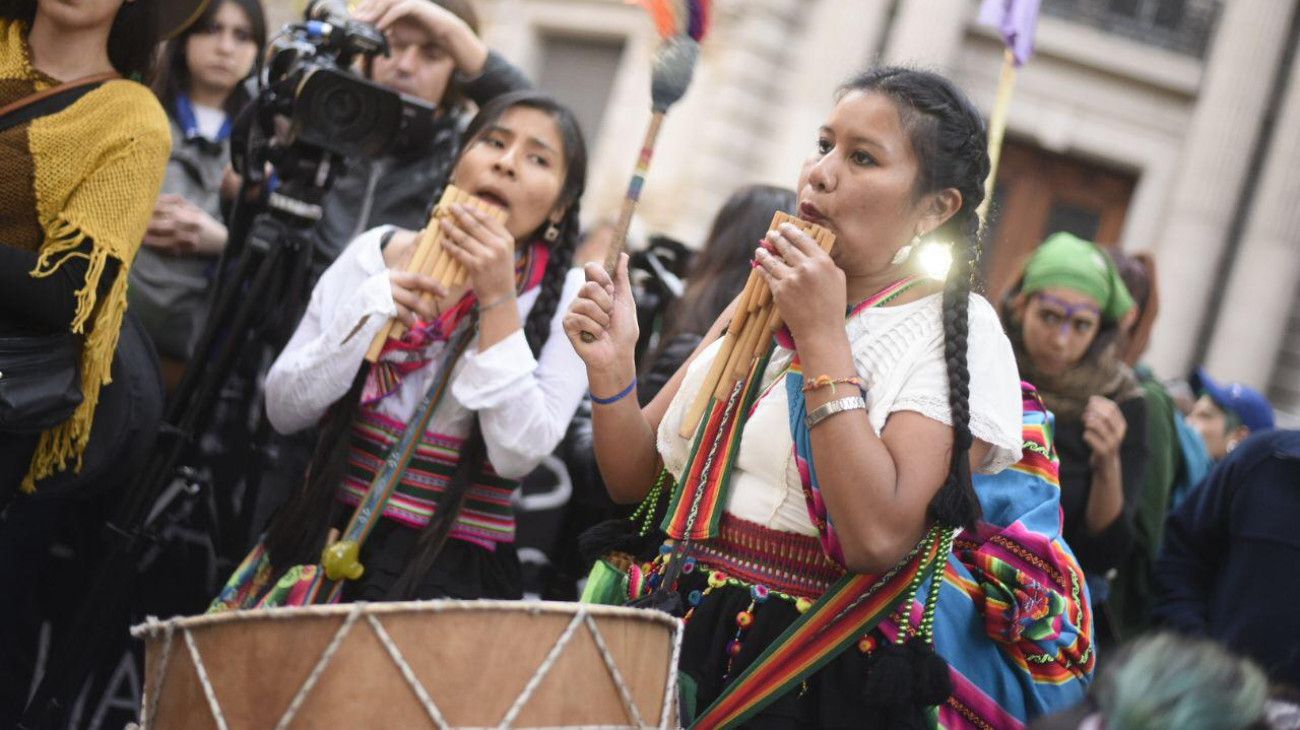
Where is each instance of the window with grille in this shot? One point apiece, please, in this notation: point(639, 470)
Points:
point(579, 71)
point(1183, 26)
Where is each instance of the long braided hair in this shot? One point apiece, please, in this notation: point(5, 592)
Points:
point(948, 136)
point(297, 533)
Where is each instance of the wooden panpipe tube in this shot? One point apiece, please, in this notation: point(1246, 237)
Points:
point(724, 355)
point(432, 259)
point(749, 335)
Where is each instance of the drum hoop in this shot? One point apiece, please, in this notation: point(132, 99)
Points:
point(153, 627)
point(581, 615)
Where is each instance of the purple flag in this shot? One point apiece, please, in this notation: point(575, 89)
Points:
point(1015, 20)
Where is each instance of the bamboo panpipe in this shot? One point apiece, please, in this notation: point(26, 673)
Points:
point(749, 334)
point(431, 259)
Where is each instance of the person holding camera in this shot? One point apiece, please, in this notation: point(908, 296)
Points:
point(435, 55)
point(201, 87)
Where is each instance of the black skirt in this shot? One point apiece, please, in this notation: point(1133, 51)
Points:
point(463, 570)
point(829, 698)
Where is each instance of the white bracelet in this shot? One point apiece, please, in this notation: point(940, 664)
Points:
point(826, 410)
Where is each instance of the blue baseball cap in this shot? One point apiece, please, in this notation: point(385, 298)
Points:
point(1248, 404)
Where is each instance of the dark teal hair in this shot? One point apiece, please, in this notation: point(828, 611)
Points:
point(1171, 681)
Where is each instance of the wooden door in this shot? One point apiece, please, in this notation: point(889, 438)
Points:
point(1039, 193)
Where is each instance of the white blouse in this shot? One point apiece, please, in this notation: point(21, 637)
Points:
point(524, 404)
point(898, 352)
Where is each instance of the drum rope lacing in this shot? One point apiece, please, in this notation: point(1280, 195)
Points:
point(208, 690)
point(408, 674)
point(152, 627)
point(325, 658)
point(150, 699)
point(527, 694)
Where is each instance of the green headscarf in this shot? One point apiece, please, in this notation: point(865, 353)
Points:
point(1067, 261)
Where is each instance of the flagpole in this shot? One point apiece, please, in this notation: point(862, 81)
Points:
point(998, 128)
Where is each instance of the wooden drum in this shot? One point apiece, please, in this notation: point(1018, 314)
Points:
point(441, 664)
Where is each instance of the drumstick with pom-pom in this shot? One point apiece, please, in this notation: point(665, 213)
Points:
point(682, 25)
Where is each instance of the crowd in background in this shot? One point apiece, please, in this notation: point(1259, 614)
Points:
point(1179, 498)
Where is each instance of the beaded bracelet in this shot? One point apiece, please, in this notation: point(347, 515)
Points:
point(822, 381)
point(614, 398)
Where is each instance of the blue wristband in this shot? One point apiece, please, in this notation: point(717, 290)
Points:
point(614, 398)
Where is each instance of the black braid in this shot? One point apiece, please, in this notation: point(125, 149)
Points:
point(296, 534)
point(956, 503)
point(948, 136)
point(537, 328)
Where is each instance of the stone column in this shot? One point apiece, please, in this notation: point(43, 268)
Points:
point(1253, 319)
point(839, 39)
point(928, 33)
point(1223, 131)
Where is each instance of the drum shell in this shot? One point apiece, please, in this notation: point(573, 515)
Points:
point(473, 658)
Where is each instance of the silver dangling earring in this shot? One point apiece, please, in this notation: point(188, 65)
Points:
point(902, 254)
point(552, 233)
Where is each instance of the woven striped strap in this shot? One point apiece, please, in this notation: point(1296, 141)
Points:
point(387, 478)
point(855, 605)
point(697, 506)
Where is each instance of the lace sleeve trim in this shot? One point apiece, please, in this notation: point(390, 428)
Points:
point(1006, 446)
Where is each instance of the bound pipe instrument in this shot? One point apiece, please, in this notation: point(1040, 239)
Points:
point(749, 335)
point(431, 259)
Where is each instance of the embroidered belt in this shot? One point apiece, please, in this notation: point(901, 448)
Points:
point(782, 561)
point(487, 517)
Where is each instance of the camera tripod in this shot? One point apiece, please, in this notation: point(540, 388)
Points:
point(272, 257)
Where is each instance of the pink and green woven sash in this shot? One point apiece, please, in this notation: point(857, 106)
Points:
point(485, 519)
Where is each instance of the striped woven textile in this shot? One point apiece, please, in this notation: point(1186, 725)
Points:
point(782, 561)
point(487, 517)
point(1013, 618)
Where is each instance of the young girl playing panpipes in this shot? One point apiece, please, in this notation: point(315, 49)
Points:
point(472, 397)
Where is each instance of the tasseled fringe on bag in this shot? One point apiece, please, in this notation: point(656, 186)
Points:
point(63, 445)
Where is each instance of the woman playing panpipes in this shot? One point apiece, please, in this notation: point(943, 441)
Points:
point(834, 563)
point(471, 398)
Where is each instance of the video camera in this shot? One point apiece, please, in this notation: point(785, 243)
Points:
point(310, 82)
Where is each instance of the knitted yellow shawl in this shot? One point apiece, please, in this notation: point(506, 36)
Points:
point(98, 166)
